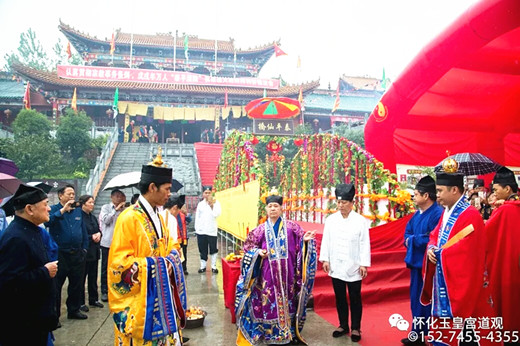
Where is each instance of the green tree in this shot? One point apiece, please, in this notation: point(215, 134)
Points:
point(30, 53)
point(73, 136)
point(356, 135)
point(30, 122)
point(5, 143)
point(305, 129)
point(61, 56)
point(35, 156)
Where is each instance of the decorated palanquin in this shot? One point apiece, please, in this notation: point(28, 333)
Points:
point(305, 169)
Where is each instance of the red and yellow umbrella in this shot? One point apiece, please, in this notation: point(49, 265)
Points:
point(273, 108)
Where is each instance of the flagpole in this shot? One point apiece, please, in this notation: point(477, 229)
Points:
point(216, 35)
point(113, 42)
point(215, 64)
point(131, 47)
point(235, 60)
point(175, 50)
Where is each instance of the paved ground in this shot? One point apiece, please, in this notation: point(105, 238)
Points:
point(204, 290)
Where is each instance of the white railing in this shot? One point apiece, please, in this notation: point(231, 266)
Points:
point(101, 163)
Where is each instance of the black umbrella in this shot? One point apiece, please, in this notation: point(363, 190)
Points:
point(472, 164)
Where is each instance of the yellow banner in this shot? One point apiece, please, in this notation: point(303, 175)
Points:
point(240, 206)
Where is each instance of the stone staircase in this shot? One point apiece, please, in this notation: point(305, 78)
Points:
point(131, 156)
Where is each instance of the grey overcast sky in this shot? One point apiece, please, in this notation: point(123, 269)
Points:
point(332, 37)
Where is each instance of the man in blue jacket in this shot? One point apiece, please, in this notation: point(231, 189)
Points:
point(69, 232)
point(416, 238)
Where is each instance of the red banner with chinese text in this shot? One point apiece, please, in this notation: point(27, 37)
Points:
point(161, 76)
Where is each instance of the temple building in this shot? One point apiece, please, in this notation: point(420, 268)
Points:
point(180, 84)
point(358, 96)
point(179, 92)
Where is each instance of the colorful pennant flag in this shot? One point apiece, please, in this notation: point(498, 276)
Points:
point(299, 63)
point(383, 81)
point(278, 51)
point(186, 54)
point(226, 99)
point(113, 44)
point(336, 102)
point(74, 102)
point(116, 101)
point(27, 96)
point(69, 52)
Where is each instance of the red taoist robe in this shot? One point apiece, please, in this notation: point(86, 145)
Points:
point(503, 262)
point(463, 265)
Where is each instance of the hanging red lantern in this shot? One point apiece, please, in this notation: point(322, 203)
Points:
point(255, 140)
point(274, 147)
point(298, 142)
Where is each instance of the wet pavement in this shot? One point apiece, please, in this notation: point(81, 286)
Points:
point(204, 290)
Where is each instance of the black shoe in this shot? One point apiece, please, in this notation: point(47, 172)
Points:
point(355, 338)
point(58, 325)
point(97, 305)
point(84, 308)
point(186, 273)
point(185, 340)
point(296, 341)
point(338, 333)
point(104, 297)
point(77, 316)
point(214, 270)
point(202, 270)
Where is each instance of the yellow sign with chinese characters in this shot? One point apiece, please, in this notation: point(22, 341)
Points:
point(240, 209)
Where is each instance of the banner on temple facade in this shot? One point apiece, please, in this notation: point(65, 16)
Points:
point(115, 74)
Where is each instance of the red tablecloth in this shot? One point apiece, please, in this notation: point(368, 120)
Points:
point(230, 274)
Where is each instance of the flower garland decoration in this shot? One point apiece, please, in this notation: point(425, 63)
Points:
point(306, 173)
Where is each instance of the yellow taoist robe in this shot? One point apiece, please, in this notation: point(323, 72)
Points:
point(134, 240)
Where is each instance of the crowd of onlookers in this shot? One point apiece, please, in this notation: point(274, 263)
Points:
point(77, 239)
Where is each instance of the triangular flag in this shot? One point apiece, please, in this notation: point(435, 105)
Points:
point(271, 109)
point(69, 52)
point(73, 103)
point(383, 82)
point(300, 97)
point(116, 101)
point(226, 99)
point(336, 102)
point(186, 47)
point(112, 44)
point(277, 51)
point(27, 96)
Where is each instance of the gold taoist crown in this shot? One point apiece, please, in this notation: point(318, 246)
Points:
point(450, 165)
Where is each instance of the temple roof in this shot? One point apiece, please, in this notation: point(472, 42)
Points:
point(359, 83)
point(357, 103)
point(11, 89)
point(52, 80)
point(166, 40)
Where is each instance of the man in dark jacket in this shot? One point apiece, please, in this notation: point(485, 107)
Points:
point(68, 231)
point(27, 291)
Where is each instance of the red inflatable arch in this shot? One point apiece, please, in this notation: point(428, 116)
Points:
point(461, 93)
